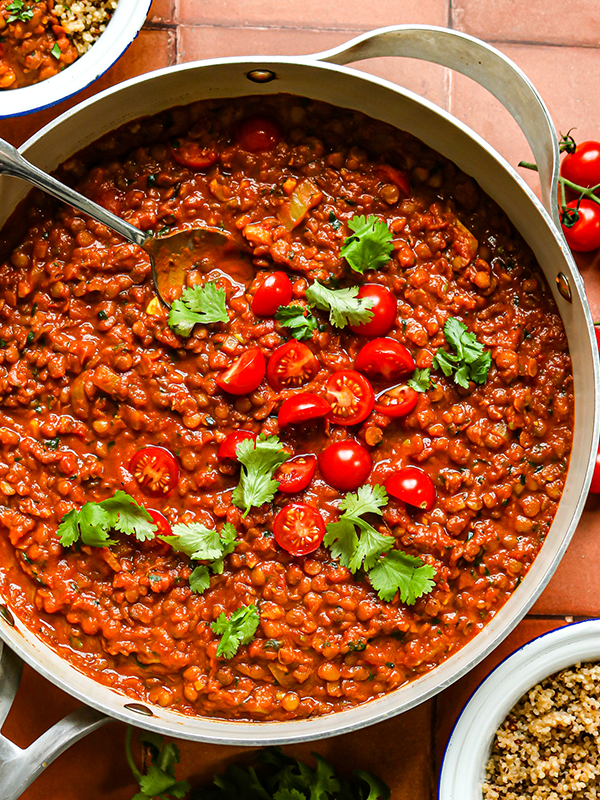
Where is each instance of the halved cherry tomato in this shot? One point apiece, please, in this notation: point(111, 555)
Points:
point(295, 475)
point(302, 407)
point(390, 174)
point(384, 311)
point(351, 397)
point(299, 529)
point(291, 365)
point(583, 166)
point(276, 290)
point(385, 357)
point(193, 155)
point(413, 486)
point(228, 447)
point(163, 528)
point(155, 469)
point(397, 401)
point(258, 133)
point(345, 465)
point(584, 235)
point(595, 484)
point(245, 374)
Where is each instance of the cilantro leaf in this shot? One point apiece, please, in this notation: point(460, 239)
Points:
point(370, 244)
point(160, 781)
point(237, 630)
point(367, 500)
point(293, 317)
point(199, 580)
point(420, 380)
point(400, 572)
point(378, 790)
point(197, 305)
point(55, 51)
point(19, 11)
point(92, 522)
point(470, 362)
point(342, 540)
point(259, 462)
point(344, 307)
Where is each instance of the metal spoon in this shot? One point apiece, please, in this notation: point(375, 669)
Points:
point(171, 256)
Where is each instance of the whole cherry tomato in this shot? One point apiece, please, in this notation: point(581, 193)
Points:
point(299, 529)
point(351, 397)
point(163, 528)
point(595, 484)
point(397, 401)
point(584, 235)
point(276, 290)
point(193, 155)
point(295, 475)
point(413, 486)
point(302, 407)
point(384, 311)
point(245, 374)
point(597, 332)
point(228, 447)
point(292, 364)
point(583, 166)
point(155, 469)
point(385, 357)
point(345, 465)
point(259, 133)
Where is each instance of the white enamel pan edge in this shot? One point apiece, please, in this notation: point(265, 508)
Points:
point(323, 77)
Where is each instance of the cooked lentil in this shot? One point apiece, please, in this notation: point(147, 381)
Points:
point(105, 375)
point(548, 746)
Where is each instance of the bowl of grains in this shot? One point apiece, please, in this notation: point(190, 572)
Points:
point(532, 728)
point(51, 50)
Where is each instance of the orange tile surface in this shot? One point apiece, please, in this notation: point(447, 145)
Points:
point(558, 48)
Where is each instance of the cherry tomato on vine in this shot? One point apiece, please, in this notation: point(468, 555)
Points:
point(385, 357)
point(276, 290)
point(299, 529)
point(584, 235)
point(295, 475)
point(345, 465)
point(350, 396)
point(155, 469)
point(259, 133)
point(228, 447)
point(397, 401)
point(302, 407)
point(292, 364)
point(193, 155)
point(583, 166)
point(163, 528)
point(384, 311)
point(413, 486)
point(245, 374)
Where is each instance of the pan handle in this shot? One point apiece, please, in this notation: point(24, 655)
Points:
point(19, 767)
point(485, 65)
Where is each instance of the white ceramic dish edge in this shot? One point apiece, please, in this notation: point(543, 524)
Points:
point(463, 766)
point(122, 30)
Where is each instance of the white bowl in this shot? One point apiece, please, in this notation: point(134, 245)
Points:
point(124, 26)
point(468, 749)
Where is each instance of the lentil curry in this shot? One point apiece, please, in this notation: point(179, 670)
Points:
point(91, 373)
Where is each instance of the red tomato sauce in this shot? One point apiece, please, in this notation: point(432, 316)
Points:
point(90, 372)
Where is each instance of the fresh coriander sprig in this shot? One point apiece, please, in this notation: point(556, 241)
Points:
point(160, 782)
point(420, 380)
point(470, 362)
point(237, 630)
point(302, 325)
point(370, 244)
point(399, 572)
point(93, 521)
point(344, 307)
point(18, 11)
point(203, 544)
point(259, 462)
point(203, 305)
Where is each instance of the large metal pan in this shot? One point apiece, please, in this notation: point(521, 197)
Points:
point(323, 77)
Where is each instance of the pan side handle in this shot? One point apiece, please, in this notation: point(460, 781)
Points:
point(485, 65)
point(19, 767)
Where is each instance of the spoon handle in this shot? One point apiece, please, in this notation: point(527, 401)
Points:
point(12, 163)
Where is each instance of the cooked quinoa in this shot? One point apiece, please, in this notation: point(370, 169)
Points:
point(84, 20)
point(548, 747)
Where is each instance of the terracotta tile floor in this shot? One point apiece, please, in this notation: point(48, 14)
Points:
point(558, 47)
